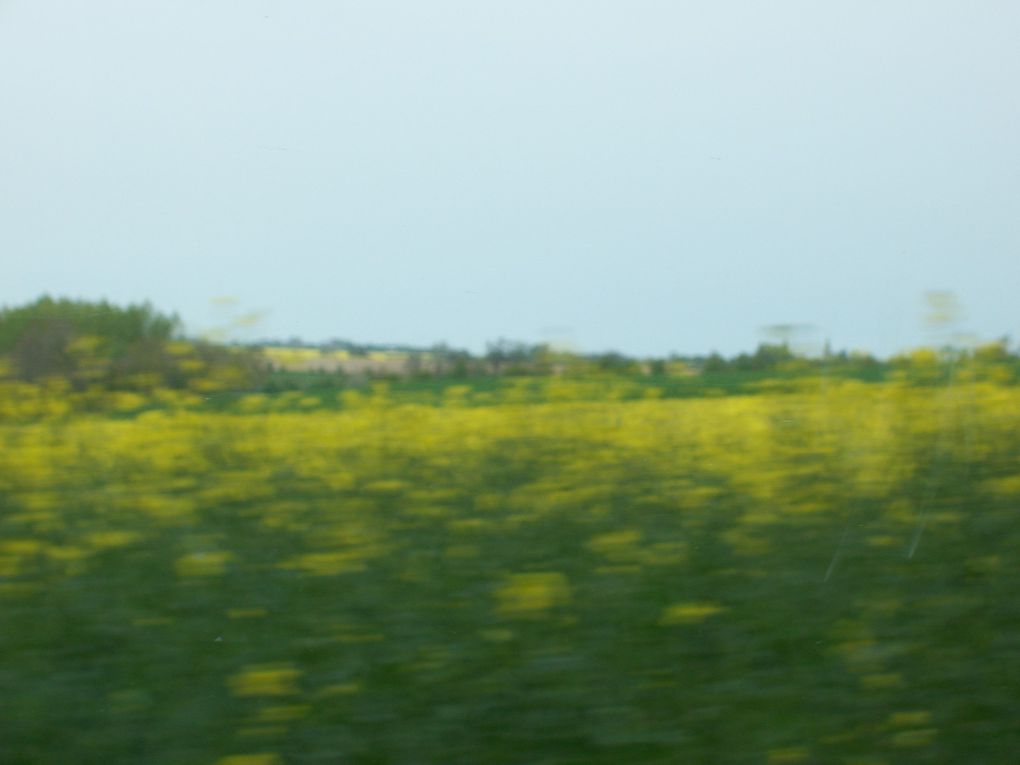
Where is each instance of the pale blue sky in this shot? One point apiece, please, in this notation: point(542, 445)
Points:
point(645, 176)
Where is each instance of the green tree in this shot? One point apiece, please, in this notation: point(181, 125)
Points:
point(97, 343)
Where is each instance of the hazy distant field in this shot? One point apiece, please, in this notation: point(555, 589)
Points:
point(823, 576)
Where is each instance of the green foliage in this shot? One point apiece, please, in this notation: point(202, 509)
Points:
point(127, 348)
point(120, 327)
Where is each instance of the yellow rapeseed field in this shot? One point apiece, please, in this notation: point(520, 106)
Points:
point(822, 575)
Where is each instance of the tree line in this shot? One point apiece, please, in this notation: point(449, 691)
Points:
point(87, 344)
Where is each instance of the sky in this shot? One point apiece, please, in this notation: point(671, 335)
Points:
point(648, 177)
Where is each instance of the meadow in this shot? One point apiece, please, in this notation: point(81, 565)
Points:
point(558, 572)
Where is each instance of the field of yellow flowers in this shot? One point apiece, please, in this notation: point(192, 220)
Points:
point(827, 575)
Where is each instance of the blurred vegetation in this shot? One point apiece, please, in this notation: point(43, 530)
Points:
point(70, 355)
point(676, 376)
point(769, 368)
point(545, 570)
point(86, 345)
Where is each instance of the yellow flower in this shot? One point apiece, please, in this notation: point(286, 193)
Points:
point(689, 613)
point(532, 594)
point(265, 680)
